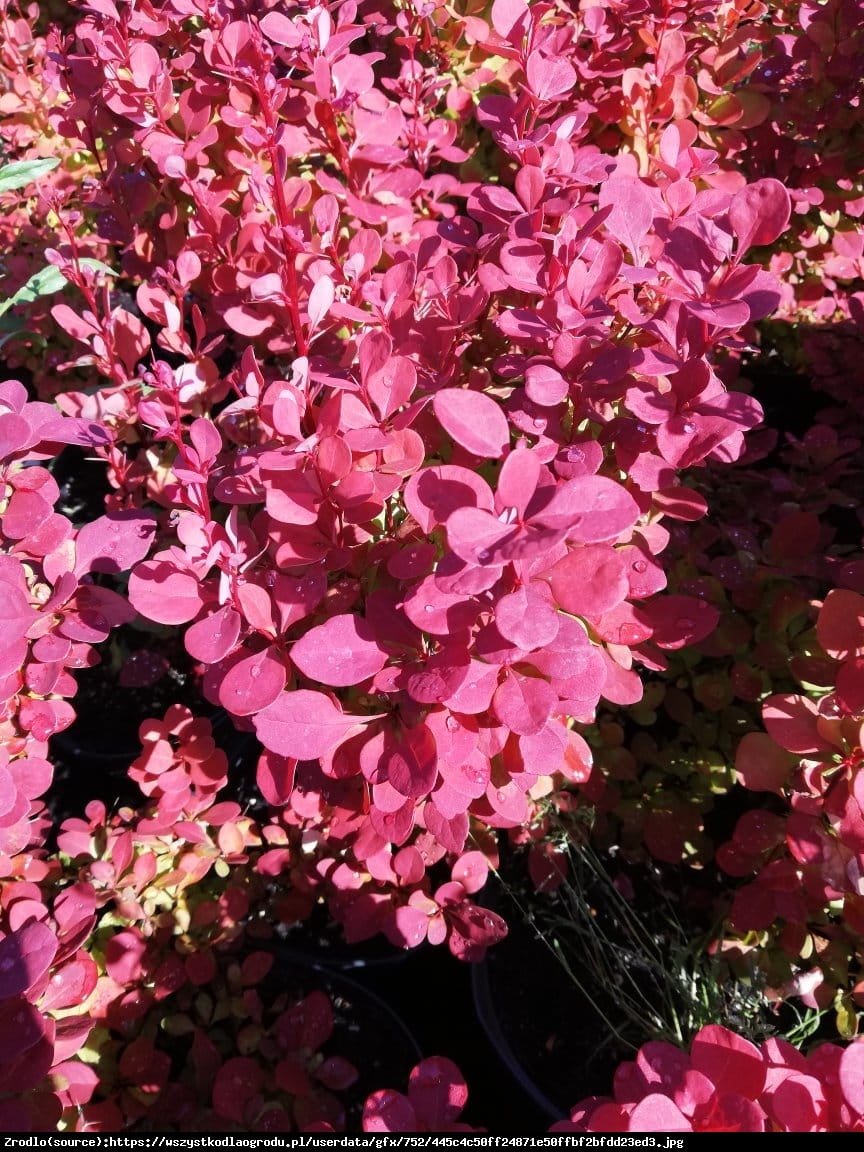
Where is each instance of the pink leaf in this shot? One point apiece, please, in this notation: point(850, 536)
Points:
point(632, 210)
point(468, 776)
point(25, 956)
point(471, 871)
point(527, 618)
point(524, 703)
point(275, 777)
point(305, 725)
point(589, 581)
point(163, 593)
point(320, 301)
point(341, 652)
point(549, 77)
point(439, 677)
point(656, 1113)
point(474, 420)
point(791, 722)
point(388, 1111)
point(438, 1092)
point(732, 1063)
point(411, 758)
point(253, 683)
point(545, 385)
point(510, 19)
point(213, 638)
point(593, 509)
point(517, 480)
point(759, 213)
point(474, 694)
point(852, 1076)
point(477, 536)
point(434, 494)
point(124, 956)
point(451, 833)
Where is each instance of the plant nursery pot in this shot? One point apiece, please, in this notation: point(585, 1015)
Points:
point(550, 1034)
point(497, 1034)
point(369, 1032)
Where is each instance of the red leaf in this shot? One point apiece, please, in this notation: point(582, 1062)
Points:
point(307, 1024)
point(451, 833)
point(474, 420)
point(237, 1082)
point(21, 1028)
point(341, 652)
point(761, 765)
point(477, 536)
point(677, 621)
point(850, 685)
point(840, 627)
point(305, 725)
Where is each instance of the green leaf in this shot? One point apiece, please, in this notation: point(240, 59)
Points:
point(96, 265)
point(22, 172)
point(47, 281)
point(42, 283)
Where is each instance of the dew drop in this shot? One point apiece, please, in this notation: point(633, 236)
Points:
point(271, 580)
point(501, 796)
point(538, 423)
point(428, 607)
point(640, 566)
point(452, 723)
point(255, 671)
point(575, 455)
point(483, 555)
point(689, 428)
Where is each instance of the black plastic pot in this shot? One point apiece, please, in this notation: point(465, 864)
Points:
point(370, 1032)
point(490, 1021)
